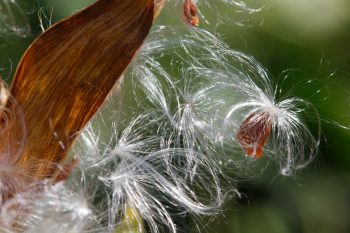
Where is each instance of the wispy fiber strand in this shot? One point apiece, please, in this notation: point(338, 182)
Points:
point(188, 113)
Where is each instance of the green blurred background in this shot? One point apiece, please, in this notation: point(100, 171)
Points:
point(304, 39)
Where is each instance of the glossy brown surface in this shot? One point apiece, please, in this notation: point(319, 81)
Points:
point(190, 13)
point(253, 133)
point(158, 6)
point(67, 73)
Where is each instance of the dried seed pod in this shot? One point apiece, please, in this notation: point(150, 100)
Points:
point(67, 73)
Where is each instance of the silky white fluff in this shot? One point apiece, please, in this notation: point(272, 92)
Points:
point(137, 168)
point(48, 208)
point(205, 90)
point(235, 12)
point(13, 19)
point(165, 141)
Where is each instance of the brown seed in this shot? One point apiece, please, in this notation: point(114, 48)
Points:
point(254, 132)
point(190, 13)
point(158, 6)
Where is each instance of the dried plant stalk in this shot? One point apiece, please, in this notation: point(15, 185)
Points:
point(67, 73)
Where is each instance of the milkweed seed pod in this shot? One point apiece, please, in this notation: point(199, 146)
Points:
point(115, 131)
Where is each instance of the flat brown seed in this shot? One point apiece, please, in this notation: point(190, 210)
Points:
point(67, 73)
point(190, 13)
point(253, 133)
point(158, 6)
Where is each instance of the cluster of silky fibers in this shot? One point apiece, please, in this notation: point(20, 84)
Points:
point(189, 111)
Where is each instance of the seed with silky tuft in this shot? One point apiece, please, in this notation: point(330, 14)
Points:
point(254, 132)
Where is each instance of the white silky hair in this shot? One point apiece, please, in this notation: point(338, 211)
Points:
point(48, 208)
point(14, 20)
point(139, 169)
point(213, 89)
point(167, 154)
point(235, 12)
point(239, 5)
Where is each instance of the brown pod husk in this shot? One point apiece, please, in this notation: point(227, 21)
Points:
point(67, 73)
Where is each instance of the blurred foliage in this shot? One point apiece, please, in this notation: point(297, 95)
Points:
point(299, 41)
